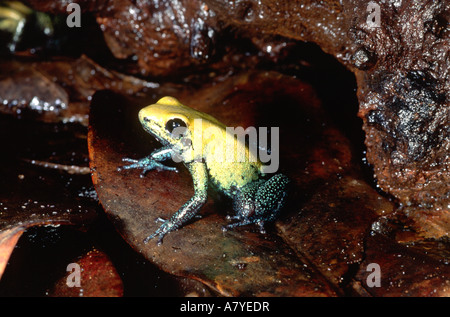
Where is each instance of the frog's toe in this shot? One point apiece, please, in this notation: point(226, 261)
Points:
point(164, 229)
point(150, 237)
point(146, 240)
point(143, 173)
point(160, 233)
point(260, 224)
point(135, 164)
point(160, 166)
point(127, 159)
point(247, 221)
point(240, 223)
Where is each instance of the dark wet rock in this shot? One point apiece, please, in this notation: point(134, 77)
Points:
point(59, 90)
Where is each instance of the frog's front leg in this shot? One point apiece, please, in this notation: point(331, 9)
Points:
point(151, 162)
point(189, 209)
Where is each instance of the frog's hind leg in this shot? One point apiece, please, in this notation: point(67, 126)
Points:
point(260, 202)
point(271, 197)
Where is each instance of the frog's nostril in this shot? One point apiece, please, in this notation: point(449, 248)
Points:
point(146, 119)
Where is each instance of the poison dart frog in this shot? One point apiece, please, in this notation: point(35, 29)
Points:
point(200, 142)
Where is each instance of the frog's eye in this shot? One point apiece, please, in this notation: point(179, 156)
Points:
point(173, 124)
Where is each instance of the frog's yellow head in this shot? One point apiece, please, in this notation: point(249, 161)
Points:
point(168, 120)
point(163, 118)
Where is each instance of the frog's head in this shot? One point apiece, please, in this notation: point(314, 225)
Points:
point(168, 120)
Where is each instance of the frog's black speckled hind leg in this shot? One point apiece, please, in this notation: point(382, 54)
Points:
point(260, 202)
point(191, 207)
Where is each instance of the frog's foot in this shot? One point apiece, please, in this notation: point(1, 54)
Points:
point(164, 229)
point(146, 164)
point(160, 233)
point(244, 222)
point(161, 236)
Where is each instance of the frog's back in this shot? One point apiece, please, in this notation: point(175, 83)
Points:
point(231, 165)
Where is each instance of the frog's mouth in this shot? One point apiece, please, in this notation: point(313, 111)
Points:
point(156, 136)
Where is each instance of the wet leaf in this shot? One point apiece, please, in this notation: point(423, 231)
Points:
point(418, 269)
point(332, 229)
point(98, 278)
point(34, 191)
point(8, 240)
